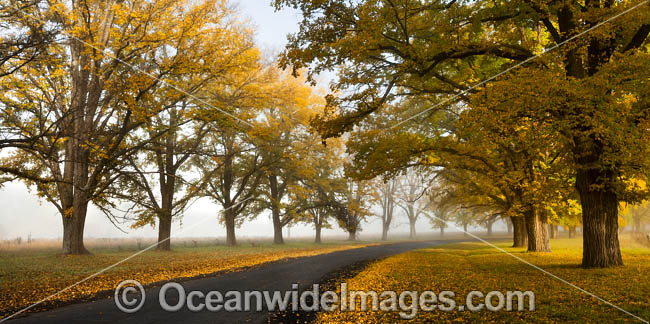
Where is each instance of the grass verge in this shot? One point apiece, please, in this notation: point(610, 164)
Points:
point(26, 278)
point(465, 267)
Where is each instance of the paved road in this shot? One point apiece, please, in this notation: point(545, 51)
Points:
point(276, 276)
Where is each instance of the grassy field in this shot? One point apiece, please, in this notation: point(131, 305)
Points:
point(476, 266)
point(28, 275)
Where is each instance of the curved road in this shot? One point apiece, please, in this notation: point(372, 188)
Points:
point(275, 276)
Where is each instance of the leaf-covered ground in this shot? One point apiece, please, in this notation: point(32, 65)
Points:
point(26, 278)
point(476, 266)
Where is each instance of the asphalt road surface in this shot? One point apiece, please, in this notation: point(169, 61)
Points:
point(275, 276)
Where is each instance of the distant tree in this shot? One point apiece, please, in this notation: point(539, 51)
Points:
point(317, 194)
point(352, 207)
point(233, 169)
point(385, 196)
point(638, 215)
point(411, 198)
point(286, 145)
point(234, 156)
point(156, 178)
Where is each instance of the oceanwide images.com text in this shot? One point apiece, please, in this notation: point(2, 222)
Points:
point(130, 297)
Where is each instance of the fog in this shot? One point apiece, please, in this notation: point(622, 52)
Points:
point(23, 214)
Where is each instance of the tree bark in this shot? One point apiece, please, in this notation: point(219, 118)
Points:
point(352, 236)
point(465, 230)
point(520, 234)
point(73, 234)
point(276, 196)
point(489, 228)
point(167, 188)
point(277, 227)
point(164, 232)
point(553, 230)
point(442, 230)
point(317, 240)
point(230, 229)
point(600, 222)
point(75, 200)
point(388, 205)
point(537, 228)
point(509, 224)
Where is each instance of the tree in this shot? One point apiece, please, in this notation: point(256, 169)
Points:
point(233, 169)
point(385, 195)
point(443, 216)
point(153, 179)
point(287, 146)
point(520, 232)
point(446, 207)
point(101, 85)
point(594, 187)
point(463, 218)
point(411, 195)
point(638, 215)
point(430, 49)
point(231, 156)
point(352, 207)
point(175, 135)
point(489, 221)
point(316, 193)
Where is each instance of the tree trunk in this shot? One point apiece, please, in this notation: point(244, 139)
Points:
point(388, 217)
point(489, 228)
point(520, 234)
point(277, 227)
point(73, 234)
point(572, 231)
point(442, 230)
point(537, 228)
point(230, 229)
point(352, 236)
point(509, 224)
point(276, 196)
point(164, 232)
point(412, 229)
point(553, 230)
point(599, 220)
point(465, 230)
point(319, 227)
point(75, 174)
point(167, 178)
point(600, 224)
point(73, 231)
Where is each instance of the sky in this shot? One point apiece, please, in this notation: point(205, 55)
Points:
point(23, 214)
point(272, 27)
